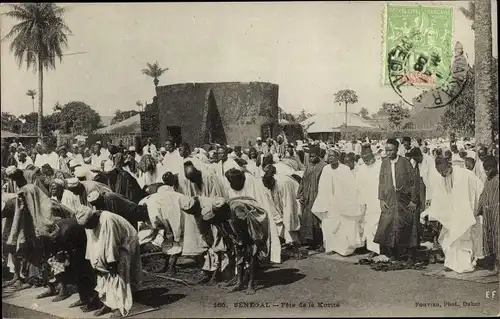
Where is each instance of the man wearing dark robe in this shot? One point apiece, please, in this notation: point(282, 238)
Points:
point(117, 204)
point(310, 229)
point(69, 247)
point(126, 184)
point(488, 208)
point(399, 199)
point(33, 213)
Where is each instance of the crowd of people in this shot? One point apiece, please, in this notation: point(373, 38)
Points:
point(81, 215)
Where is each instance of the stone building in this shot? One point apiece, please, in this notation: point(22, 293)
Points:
point(231, 113)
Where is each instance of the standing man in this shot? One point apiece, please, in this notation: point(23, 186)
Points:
point(98, 157)
point(405, 147)
point(337, 207)
point(482, 153)
point(310, 225)
point(260, 147)
point(397, 229)
point(150, 148)
point(488, 208)
point(367, 184)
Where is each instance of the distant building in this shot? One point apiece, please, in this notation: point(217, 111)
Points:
point(329, 126)
point(226, 113)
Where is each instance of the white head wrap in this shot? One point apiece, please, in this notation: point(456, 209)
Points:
point(83, 214)
point(10, 170)
point(74, 163)
point(80, 172)
point(108, 166)
point(72, 182)
point(186, 203)
point(93, 196)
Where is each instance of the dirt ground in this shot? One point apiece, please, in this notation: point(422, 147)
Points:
point(317, 287)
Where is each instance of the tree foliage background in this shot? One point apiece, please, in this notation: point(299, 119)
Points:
point(459, 115)
point(74, 117)
point(122, 116)
point(397, 115)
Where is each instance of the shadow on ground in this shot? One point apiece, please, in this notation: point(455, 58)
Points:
point(156, 297)
point(279, 277)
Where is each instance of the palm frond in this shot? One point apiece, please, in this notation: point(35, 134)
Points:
point(41, 34)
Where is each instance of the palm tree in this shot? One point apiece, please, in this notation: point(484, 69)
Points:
point(155, 71)
point(32, 94)
point(480, 14)
point(37, 39)
point(346, 96)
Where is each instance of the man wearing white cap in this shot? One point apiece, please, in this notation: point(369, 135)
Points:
point(113, 251)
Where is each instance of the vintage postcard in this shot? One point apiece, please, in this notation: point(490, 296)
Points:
point(250, 159)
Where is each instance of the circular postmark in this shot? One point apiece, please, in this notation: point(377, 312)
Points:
point(410, 67)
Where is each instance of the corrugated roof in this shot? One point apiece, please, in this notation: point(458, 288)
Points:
point(128, 126)
point(329, 122)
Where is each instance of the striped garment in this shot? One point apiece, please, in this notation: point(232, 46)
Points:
point(488, 207)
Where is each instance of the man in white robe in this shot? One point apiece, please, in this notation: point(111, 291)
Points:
point(337, 207)
point(224, 164)
point(245, 185)
point(453, 200)
point(284, 193)
point(113, 251)
point(165, 213)
point(367, 179)
point(98, 157)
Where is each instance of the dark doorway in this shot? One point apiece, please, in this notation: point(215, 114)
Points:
point(213, 128)
point(175, 133)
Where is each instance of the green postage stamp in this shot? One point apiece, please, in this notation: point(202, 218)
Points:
point(418, 44)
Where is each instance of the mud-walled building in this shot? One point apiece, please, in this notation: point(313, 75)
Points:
point(231, 113)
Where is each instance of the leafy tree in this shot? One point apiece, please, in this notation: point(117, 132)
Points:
point(9, 122)
point(303, 115)
point(37, 39)
point(32, 93)
point(286, 116)
point(346, 96)
point(122, 116)
point(154, 71)
point(397, 115)
point(459, 115)
point(77, 117)
point(364, 113)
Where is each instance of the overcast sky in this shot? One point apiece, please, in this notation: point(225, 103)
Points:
point(310, 49)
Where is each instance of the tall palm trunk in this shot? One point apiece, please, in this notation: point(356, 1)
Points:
point(40, 97)
point(33, 103)
point(345, 129)
point(483, 93)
